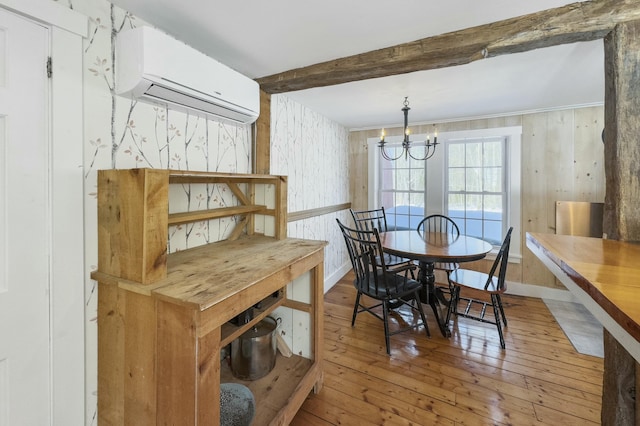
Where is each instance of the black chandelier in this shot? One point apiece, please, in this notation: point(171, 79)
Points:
point(429, 147)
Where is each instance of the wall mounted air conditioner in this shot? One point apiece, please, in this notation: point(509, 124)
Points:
point(155, 67)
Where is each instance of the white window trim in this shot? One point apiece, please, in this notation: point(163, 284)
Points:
point(436, 176)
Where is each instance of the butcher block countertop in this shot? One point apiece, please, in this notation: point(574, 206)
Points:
point(603, 274)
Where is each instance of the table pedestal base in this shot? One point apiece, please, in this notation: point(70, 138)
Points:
point(428, 295)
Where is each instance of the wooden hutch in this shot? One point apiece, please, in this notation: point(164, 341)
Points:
point(163, 318)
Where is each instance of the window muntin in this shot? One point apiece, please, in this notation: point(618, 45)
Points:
point(402, 190)
point(476, 196)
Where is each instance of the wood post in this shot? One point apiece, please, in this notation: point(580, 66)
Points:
point(132, 223)
point(622, 130)
point(621, 210)
point(281, 193)
point(618, 384)
point(263, 136)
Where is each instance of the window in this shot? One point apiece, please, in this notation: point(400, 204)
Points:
point(402, 190)
point(474, 178)
point(476, 197)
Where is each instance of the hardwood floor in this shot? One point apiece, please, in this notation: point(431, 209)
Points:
point(539, 379)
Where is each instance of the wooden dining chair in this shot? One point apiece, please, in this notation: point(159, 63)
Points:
point(368, 220)
point(491, 284)
point(444, 224)
point(375, 280)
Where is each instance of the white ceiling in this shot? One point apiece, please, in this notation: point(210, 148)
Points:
point(261, 38)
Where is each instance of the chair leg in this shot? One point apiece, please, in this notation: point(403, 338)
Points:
point(495, 301)
point(442, 290)
point(451, 298)
point(453, 303)
point(355, 309)
point(385, 315)
point(504, 318)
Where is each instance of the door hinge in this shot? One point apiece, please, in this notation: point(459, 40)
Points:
point(49, 70)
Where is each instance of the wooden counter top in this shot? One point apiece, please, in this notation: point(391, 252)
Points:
point(209, 274)
point(603, 274)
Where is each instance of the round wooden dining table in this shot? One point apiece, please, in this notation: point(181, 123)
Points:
point(431, 247)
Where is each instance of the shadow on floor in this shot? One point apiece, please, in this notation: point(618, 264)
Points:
point(582, 329)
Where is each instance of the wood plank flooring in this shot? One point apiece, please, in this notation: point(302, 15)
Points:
point(539, 379)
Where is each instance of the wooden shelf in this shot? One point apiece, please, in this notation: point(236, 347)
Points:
point(199, 215)
point(230, 332)
point(184, 176)
point(272, 392)
point(133, 216)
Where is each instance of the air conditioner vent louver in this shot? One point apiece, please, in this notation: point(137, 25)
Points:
point(154, 67)
point(164, 95)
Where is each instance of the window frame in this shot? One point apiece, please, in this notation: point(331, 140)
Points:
point(436, 179)
point(465, 191)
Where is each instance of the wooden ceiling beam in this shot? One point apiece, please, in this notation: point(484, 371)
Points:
point(575, 22)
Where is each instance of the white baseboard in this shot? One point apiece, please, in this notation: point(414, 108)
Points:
point(530, 290)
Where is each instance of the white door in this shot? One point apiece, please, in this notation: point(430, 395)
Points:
point(25, 378)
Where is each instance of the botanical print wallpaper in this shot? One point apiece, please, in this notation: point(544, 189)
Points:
point(124, 133)
point(313, 152)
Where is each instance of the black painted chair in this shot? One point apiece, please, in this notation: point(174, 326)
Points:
point(368, 220)
point(375, 280)
point(491, 284)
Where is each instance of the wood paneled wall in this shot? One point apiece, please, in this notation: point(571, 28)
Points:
point(562, 159)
